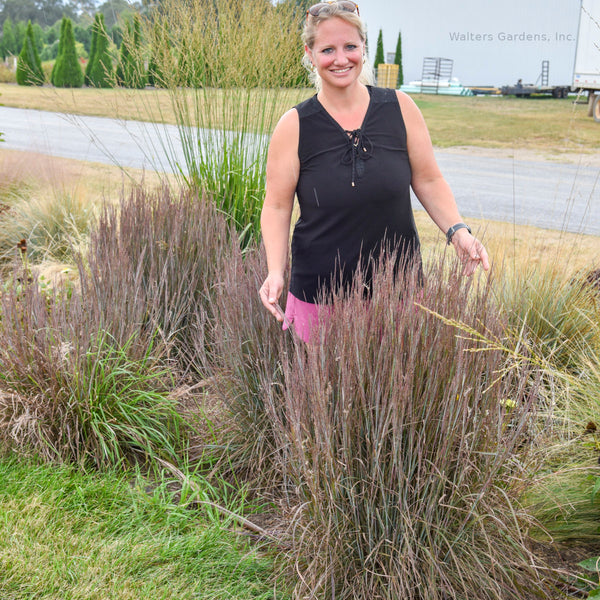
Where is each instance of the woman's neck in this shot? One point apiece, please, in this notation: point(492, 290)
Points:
point(347, 106)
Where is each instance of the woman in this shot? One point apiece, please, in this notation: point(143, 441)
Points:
point(351, 154)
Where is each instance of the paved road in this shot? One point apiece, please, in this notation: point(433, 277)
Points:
point(550, 195)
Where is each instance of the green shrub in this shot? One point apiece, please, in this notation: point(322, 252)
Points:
point(67, 70)
point(379, 57)
point(101, 71)
point(8, 42)
point(130, 68)
point(29, 66)
point(398, 60)
point(95, 29)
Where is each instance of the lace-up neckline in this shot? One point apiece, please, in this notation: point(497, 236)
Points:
point(359, 150)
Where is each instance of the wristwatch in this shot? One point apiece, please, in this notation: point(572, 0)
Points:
point(454, 229)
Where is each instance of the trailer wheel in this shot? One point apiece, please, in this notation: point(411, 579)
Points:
point(596, 108)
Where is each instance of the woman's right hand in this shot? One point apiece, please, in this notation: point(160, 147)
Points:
point(270, 292)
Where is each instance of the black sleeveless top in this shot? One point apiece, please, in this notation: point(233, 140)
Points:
point(354, 195)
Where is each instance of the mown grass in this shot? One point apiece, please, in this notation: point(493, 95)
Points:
point(66, 534)
point(154, 105)
point(540, 124)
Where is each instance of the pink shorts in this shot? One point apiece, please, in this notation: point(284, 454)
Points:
point(304, 317)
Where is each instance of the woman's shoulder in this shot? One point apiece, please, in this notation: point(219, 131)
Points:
point(307, 107)
point(407, 104)
point(286, 131)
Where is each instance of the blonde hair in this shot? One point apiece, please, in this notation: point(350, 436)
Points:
point(310, 32)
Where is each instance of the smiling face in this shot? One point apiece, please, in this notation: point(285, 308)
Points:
point(337, 53)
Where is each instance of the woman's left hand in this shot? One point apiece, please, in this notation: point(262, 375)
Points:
point(470, 251)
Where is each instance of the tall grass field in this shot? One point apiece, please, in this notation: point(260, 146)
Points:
point(162, 437)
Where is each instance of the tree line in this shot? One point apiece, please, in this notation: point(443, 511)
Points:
point(100, 70)
point(172, 48)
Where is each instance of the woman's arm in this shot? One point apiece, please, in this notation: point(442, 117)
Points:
point(433, 190)
point(283, 168)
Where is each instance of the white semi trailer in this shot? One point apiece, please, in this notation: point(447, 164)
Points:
point(586, 74)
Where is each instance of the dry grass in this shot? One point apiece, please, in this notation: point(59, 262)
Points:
point(95, 180)
point(513, 246)
point(155, 105)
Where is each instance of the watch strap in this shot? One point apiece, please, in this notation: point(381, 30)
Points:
point(454, 229)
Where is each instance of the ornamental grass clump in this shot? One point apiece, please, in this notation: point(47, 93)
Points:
point(557, 309)
point(152, 267)
point(245, 367)
point(230, 68)
point(69, 391)
point(86, 372)
point(405, 436)
point(52, 225)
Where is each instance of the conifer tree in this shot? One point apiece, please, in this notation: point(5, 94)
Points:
point(69, 73)
point(398, 59)
point(29, 65)
point(90, 62)
point(130, 70)
point(101, 72)
point(60, 51)
point(379, 58)
point(9, 39)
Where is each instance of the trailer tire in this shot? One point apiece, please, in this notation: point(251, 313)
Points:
point(596, 108)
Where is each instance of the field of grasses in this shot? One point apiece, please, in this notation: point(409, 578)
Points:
point(135, 349)
point(161, 436)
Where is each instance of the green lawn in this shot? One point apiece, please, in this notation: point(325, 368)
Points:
point(64, 534)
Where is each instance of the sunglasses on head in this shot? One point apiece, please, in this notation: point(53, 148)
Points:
point(316, 9)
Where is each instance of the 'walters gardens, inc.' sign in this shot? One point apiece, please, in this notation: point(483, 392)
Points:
point(490, 42)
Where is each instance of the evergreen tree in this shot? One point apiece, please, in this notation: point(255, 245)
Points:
point(9, 39)
point(69, 73)
point(130, 70)
point(60, 51)
point(379, 58)
point(20, 33)
point(38, 36)
point(101, 72)
point(29, 65)
point(95, 28)
point(398, 59)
